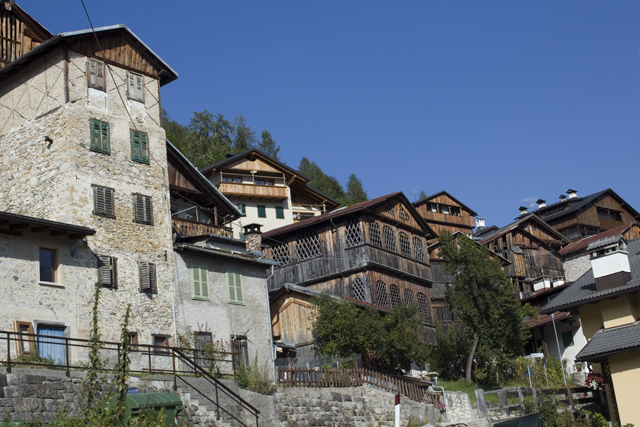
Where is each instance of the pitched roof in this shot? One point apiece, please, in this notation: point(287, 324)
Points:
point(582, 244)
point(36, 26)
point(364, 206)
point(428, 198)
point(30, 221)
point(165, 72)
point(607, 342)
point(581, 203)
point(530, 217)
point(583, 290)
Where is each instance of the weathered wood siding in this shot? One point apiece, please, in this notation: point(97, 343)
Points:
point(590, 216)
point(16, 38)
point(291, 318)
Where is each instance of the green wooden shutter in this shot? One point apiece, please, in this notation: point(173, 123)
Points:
point(204, 282)
point(234, 287)
point(144, 148)
point(238, 283)
point(106, 144)
point(96, 142)
point(195, 282)
point(231, 289)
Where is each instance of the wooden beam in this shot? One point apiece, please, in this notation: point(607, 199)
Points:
point(18, 226)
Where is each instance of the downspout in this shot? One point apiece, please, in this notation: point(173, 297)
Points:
point(273, 350)
point(555, 332)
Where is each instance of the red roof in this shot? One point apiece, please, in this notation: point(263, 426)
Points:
point(349, 210)
point(543, 319)
point(582, 244)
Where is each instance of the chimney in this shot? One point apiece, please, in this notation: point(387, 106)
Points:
point(523, 210)
point(563, 198)
point(479, 223)
point(253, 239)
point(541, 203)
point(572, 193)
point(610, 262)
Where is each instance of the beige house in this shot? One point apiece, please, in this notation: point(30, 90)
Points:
point(607, 298)
point(266, 191)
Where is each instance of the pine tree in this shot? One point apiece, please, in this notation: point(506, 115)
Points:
point(355, 192)
point(245, 137)
point(422, 195)
point(268, 145)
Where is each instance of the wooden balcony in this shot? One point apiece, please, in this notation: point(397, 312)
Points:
point(185, 228)
point(250, 190)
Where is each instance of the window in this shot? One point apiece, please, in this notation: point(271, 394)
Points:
point(395, 296)
point(405, 245)
point(381, 294)
point(567, 339)
point(135, 87)
point(444, 209)
point(234, 287)
point(455, 211)
point(143, 209)
point(403, 214)
point(240, 350)
point(48, 265)
point(423, 308)
point(148, 277)
point(353, 233)
point(203, 340)
point(100, 136)
point(358, 290)
point(242, 208)
point(281, 254)
point(103, 203)
point(232, 179)
point(609, 214)
point(374, 234)
point(160, 343)
point(139, 147)
point(108, 271)
point(308, 246)
point(408, 297)
point(390, 209)
point(95, 75)
point(133, 340)
point(199, 282)
point(263, 181)
point(432, 207)
point(418, 251)
point(279, 212)
point(262, 211)
point(389, 238)
point(25, 344)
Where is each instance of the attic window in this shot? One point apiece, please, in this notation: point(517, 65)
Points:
point(353, 233)
point(390, 209)
point(95, 75)
point(455, 210)
point(135, 86)
point(609, 214)
point(403, 214)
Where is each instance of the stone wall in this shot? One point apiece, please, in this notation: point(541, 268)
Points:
point(575, 266)
point(459, 407)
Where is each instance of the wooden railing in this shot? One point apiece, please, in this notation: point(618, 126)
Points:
point(251, 190)
point(184, 227)
point(301, 377)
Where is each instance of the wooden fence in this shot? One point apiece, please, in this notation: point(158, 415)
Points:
point(571, 397)
point(301, 377)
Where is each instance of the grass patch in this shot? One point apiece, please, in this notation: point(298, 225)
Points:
point(470, 389)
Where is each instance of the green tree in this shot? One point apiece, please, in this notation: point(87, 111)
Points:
point(422, 195)
point(321, 181)
point(483, 300)
point(386, 342)
point(355, 192)
point(175, 132)
point(268, 145)
point(244, 138)
point(210, 138)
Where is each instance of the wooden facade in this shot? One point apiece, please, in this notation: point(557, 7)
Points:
point(374, 253)
point(19, 33)
point(442, 211)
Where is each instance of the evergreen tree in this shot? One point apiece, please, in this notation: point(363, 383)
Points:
point(175, 132)
point(422, 195)
point(322, 182)
point(355, 192)
point(245, 137)
point(210, 138)
point(268, 145)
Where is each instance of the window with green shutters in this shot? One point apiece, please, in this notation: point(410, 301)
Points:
point(139, 147)
point(234, 287)
point(262, 211)
point(279, 212)
point(100, 137)
point(199, 282)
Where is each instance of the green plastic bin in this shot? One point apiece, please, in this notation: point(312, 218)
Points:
point(137, 404)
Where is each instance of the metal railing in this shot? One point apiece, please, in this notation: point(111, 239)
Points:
point(152, 360)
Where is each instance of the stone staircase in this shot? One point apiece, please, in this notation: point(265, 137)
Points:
point(200, 411)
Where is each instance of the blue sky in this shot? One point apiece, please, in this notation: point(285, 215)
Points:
point(493, 101)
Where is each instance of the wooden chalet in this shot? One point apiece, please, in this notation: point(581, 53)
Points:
point(197, 208)
point(267, 191)
point(531, 246)
point(20, 33)
point(442, 211)
point(579, 217)
point(374, 252)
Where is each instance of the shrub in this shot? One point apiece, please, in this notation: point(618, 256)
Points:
point(255, 377)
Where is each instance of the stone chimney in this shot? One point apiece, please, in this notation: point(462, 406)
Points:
point(610, 262)
point(479, 223)
point(541, 203)
point(563, 198)
point(253, 239)
point(572, 193)
point(523, 210)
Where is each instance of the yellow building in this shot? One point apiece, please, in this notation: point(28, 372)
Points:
point(607, 298)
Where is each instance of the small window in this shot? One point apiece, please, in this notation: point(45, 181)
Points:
point(263, 181)
point(455, 211)
point(108, 271)
point(405, 245)
point(408, 297)
point(308, 246)
point(389, 238)
point(135, 87)
point(232, 179)
point(418, 251)
point(103, 203)
point(148, 277)
point(374, 234)
point(262, 211)
point(396, 300)
point(567, 339)
point(353, 233)
point(199, 282)
point(432, 207)
point(279, 212)
point(160, 343)
point(358, 290)
point(133, 340)
point(48, 265)
point(95, 75)
point(242, 208)
point(234, 287)
point(280, 253)
point(382, 299)
point(143, 209)
point(26, 343)
point(240, 350)
point(139, 147)
point(444, 209)
point(100, 136)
